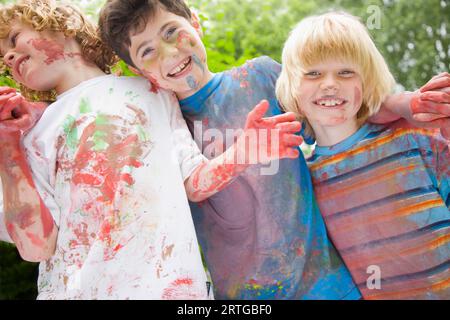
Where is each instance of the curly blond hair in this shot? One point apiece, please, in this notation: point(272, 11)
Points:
point(58, 17)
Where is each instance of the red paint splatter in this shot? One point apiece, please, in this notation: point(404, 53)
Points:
point(181, 289)
point(415, 103)
point(53, 50)
point(184, 39)
point(154, 85)
point(47, 220)
point(185, 281)
point(35, 239)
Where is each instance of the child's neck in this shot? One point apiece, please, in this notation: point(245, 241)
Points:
point(186, 94)
point(327, 136)
point(78, 72)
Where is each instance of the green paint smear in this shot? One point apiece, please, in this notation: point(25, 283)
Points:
point(143, 136)
point(99, 142)
point(85, 106)
point(101, 120)
point(71, 132)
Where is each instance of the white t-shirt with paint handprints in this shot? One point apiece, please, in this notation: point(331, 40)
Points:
point(109, 159)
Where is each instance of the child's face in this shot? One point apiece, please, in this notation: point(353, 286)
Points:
point(330, 93)
point(36, 58)
point(170, 53)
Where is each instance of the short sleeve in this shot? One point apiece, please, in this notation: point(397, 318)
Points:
point(187, 152)
point(435, 152)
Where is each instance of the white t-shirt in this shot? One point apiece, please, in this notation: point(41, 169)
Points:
point(110, 159)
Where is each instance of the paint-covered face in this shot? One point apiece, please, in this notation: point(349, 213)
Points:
point(36, 59)
point(330, 94)
point(170, 53)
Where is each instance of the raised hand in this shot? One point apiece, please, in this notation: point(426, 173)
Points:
point(16, 113)
point(271, 138)
point(431, 105)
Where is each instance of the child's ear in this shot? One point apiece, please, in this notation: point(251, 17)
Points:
point(135, 70)
point(195, 22)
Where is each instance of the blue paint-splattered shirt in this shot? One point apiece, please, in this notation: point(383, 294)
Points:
point(263, 236)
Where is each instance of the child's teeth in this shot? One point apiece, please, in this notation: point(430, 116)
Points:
point(330, 103)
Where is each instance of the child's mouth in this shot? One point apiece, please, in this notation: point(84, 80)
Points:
point(330, 102)
point(179, 70)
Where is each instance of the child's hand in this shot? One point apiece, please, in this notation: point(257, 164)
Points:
point(6, 94)
point(271, 138)
point(16, 113)
point(431, 105)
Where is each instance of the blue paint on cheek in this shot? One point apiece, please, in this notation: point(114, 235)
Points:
point(191, 82)
point(198, 62)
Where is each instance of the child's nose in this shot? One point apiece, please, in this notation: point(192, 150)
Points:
point(9, 58)
point(170, 51)
point(329, 83)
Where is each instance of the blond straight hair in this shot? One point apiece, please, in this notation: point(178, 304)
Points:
point(334, 35)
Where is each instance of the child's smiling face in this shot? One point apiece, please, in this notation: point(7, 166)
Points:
point(330, 93)
point(170, 53)
point(36, 59)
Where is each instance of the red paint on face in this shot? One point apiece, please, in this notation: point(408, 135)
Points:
point(154, 85)
point(54, 51)
point(184, 39)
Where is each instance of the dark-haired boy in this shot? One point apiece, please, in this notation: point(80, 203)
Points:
point(263, 236)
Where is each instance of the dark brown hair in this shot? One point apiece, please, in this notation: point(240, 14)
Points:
point(119, 19)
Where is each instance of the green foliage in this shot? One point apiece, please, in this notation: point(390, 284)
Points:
point(17, 277)
point(413, 36)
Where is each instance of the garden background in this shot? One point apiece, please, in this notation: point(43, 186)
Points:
point(413, 35)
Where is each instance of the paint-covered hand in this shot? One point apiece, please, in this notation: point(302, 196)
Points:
point(430, 105)
point(16, 113)
point(271, 138)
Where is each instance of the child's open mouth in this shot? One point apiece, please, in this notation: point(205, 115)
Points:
point(180, 69)
point(330, 102)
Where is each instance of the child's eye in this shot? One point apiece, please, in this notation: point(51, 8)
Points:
point(312, 74)
point(346, 73)
point(170, 32)
point(13, 39)
point(146, 52)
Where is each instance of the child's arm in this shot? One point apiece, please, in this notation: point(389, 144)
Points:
point(27, 220)
point(263, 140)
point(428, 107)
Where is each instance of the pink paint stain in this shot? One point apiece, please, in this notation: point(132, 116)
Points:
point(35, 239)
point(54, 51)
point(180, 289)
point(184, 39)
point(154, 85)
